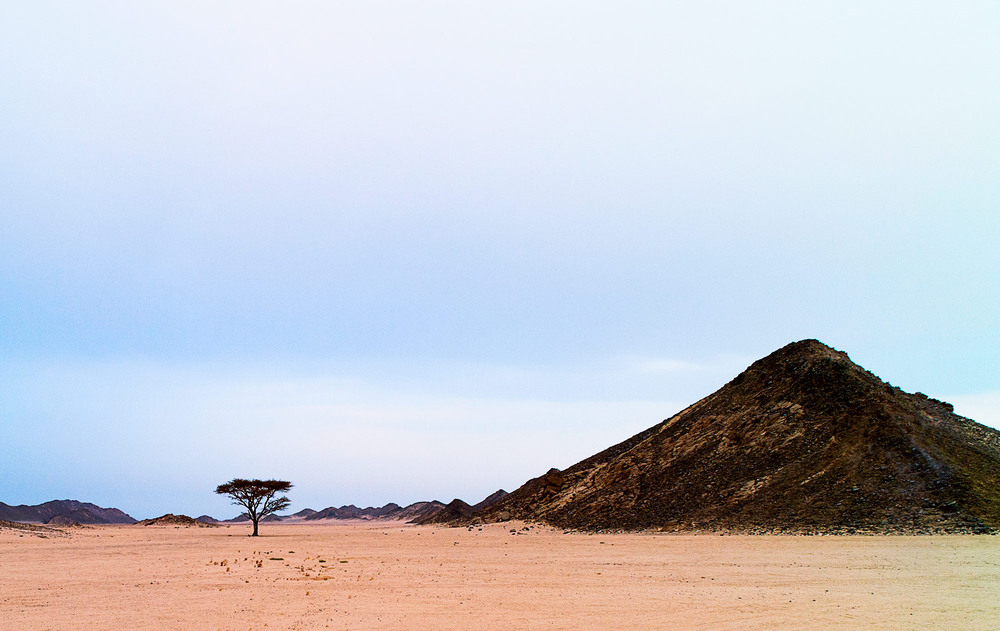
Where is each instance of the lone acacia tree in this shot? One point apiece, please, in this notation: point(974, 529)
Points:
point(257, 497)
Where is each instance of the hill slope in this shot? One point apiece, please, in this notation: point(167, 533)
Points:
point(802, 440)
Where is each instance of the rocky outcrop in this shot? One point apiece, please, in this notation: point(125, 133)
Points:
point(176, 520)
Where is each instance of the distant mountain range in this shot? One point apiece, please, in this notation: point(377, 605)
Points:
point(457, 510)
point(353, 512)
point(417, 513)
point(68, 512)
point(64, 512)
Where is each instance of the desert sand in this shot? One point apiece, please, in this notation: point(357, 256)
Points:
point(396, 576)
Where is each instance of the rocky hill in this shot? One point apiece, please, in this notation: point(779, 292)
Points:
point(176, 520)
point(64, 512)
point(803, 440)
point(417, 511)
point(453, 510)
point(457, 510)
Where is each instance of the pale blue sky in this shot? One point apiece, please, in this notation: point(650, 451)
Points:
point(395, 251)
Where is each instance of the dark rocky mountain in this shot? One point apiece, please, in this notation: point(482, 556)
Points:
point(453, 510)
point(803, 440)
point(208, 519)
point(305, 512)
point(383, 512)
point(243, 517)
point(332, 512)
point(239, 519)
point(68, 512)
point(417, 511)
point(457, 510)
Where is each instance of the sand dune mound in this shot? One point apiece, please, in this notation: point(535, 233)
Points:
point(803, 440)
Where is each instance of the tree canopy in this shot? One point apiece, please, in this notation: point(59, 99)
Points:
point(259, 497)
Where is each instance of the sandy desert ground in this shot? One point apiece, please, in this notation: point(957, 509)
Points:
point(393, 576)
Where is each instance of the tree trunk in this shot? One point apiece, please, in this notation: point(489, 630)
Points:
point(254, 527)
